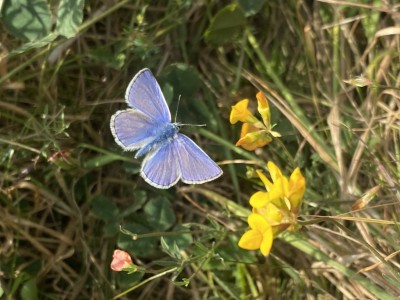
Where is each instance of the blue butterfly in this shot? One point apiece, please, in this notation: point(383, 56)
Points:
point(146, 127)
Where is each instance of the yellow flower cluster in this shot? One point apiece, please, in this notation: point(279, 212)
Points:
point(274, 210)
point(255, 134)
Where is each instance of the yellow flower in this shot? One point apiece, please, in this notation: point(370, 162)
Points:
point(241, 113)
point(290, 191)
point(255, 134)
point(278, 206)
point(251, 137)
point(259, 236)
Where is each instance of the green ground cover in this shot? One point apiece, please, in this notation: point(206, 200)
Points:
point(69, 195)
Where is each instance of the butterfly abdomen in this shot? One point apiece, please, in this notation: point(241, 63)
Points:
point(165, 133)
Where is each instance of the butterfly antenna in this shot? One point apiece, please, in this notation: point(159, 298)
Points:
point(197, 125)
point(177, 108)
point(176, 114)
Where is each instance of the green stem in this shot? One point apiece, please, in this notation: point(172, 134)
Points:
point(144, 282)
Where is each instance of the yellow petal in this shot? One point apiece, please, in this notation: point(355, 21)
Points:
point(248, 140)
point(251, 240)
point(285, 185)
point(274, 171)
point(272, 214)
point(259, 199)
point(263, 109)
point(262, 100)
point(258, 223)
point(247, 128)
point(266, 243)
point(241, 113)
point(297, 187)
point(251, 140)
point(277, 191)
point(268, 184)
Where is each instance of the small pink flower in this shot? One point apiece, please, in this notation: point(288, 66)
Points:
point(121, 260)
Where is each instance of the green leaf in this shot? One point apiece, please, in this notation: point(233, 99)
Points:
point(126, 280)
point(226, 25)
point(69, 17)
point(167, 249)
point(33, 268)
point(185, 282)
point(103, 208)
point(183, 240)
point(111, 228)
point(200, 249)
point(172, 249)
point(251, 7)
point(34, 44)
point(138, 200)
point(184, 79)
point(168, 91)
point(100, 160)
point(131, 167)
point(371, 22)
point(29, 290)
point(108, 57)
point(27, 19)
point(230, 251)
point(159, 213)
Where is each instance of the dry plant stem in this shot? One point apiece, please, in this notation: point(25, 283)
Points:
point(195, 204)
point(319, 219)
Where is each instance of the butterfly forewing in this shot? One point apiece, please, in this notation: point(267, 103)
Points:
point(195, 165)
point(132, 129)
point(144, 94)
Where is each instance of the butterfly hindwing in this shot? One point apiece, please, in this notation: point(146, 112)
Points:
point(145, 95)
point(160, 168)
point(195, 165)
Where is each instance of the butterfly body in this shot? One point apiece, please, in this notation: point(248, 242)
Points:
point(164, 133)
point(147, 128)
